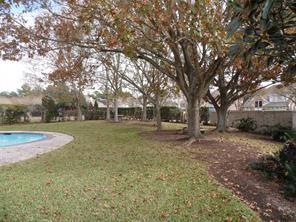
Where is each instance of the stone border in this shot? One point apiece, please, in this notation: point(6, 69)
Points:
point(16, 153)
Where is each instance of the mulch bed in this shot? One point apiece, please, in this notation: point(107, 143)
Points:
point(228, 163)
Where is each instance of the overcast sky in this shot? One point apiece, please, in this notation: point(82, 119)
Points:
point(12, 72)
point(12, 75)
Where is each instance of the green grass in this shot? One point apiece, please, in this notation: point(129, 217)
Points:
point(109, 173)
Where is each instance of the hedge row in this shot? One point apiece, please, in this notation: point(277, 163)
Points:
point(168, 113)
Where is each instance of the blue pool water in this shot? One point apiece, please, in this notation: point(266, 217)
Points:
point(8, 139)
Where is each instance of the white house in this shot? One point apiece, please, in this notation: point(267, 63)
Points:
point(273, 98)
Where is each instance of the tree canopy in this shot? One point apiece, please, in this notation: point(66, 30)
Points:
point(267, 27)
point(189, 42)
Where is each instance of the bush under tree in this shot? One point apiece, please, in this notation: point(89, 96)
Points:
point(13, 115)
point(51, 110)
point(281, 165)
point(246, 124)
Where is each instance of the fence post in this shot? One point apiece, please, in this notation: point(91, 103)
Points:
point(294, 120)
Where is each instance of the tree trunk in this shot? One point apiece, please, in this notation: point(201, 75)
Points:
point(78, 107)
point(194, 119)
point(221, 119)
point(115, 110)
point(144, 113)
point(107, 97)
point(79, 113)
point(157, 113)
point(108, 109)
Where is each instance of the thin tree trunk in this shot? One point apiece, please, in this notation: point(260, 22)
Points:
point(158, 113)
point(221, 119)
point(144, 113)
point(194, 119)
point(108, 110)
point(107, 97)
point(78, 107)
point(79, 112)
point(115, 110)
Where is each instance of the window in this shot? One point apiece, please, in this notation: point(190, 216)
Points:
point(258, 104)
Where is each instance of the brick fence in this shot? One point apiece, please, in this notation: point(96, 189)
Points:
point(263, 118)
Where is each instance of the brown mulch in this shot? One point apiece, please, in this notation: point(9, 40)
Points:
point(228, 163)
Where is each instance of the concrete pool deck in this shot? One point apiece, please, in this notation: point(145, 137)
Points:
point(16, 153)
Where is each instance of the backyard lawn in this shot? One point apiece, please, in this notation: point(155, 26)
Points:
point(110, 173)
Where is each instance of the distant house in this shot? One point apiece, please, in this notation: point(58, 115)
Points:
point(24, 101)
point(126, 102)
point(30, 104)
point(273, 98)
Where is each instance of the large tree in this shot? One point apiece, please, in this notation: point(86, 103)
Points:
point(114, 66)
point(184, 40)
point(73, 69)
point(186, 37)
point(288, 91)
point(27, 90)
point(151, 83)
point(235, 80)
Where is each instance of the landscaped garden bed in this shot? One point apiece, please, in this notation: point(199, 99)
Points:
point(228, 157)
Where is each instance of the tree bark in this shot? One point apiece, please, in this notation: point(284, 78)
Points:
point(193, 118)
point(107, 97)
point(144, 112)
point(79, 112)
point(115, 110)
point(221, 119)
point(107, 109)
point(158, 113)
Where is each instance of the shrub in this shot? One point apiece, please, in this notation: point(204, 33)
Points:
point(246, 124)
point(131, 112)
point(281, 165)
point(96, 114)
point(99, 113)
point(278, 132)
point(169, 113)
point(51, 108)
point(204, 115)
point(264, 130)
point(13, 115)
point(150, 112)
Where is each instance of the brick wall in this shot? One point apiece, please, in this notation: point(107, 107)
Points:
point(269, 118)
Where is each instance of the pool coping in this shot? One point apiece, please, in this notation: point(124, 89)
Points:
point(15, 153)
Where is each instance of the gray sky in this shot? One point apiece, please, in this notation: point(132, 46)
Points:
point(12, 75)
point(12, 72)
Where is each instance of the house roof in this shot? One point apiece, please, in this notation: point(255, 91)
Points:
point(274, 89)
point(276, 104)
point(27, 101)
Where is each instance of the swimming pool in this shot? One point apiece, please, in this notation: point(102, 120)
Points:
point(8, 139)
